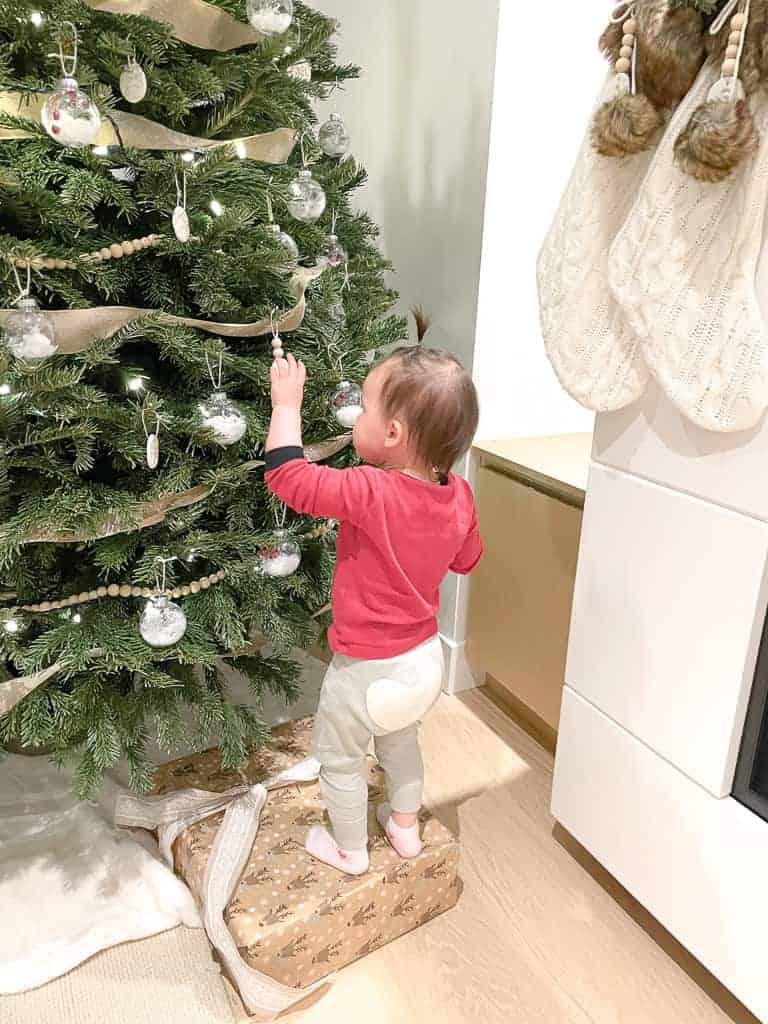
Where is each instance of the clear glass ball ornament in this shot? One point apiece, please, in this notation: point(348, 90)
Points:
point(29, 333)
point(284, 239)
point(307, 202)
point(281, 557)
point(70, 116)
point(333, 136)
point(347, 403)
point(162, 623)
point(333, 253)
point(270, 17)
point(221, 416)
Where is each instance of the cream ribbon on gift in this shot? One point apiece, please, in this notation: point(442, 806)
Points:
point(171, 815)
point(77, 328)
point(194, 21)
point(121, 128)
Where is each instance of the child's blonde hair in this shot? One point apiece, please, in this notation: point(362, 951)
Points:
point(432, 393)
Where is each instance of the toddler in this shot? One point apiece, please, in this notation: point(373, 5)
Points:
point(405, 521)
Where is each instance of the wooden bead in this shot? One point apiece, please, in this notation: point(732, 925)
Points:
point(49, 264)
point(622, 65)
point(45, 606)
point(135, 591)
point(626, 51)
point(105, 253)
point(205, 583)
point(194, 588)
point(732, 53)
point(146, 592)
point(729, 68)
point(83, 597)
point(113, 590)
point(185, 591)
point(139, 243)
point(92, 595)
point(129, 248)
point(630, 27)
point(737, 22)
point(628, 40)
point(62, 264)
point(278, 353)
point(101, 592)
point(176, 592)
point(116, 250)
point(37, 262)
point(734, 38)
point(125, 590)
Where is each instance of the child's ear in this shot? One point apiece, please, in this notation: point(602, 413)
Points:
point(395, 434)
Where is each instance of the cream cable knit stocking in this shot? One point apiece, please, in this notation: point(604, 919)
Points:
point(683, 268)
point(594, 353)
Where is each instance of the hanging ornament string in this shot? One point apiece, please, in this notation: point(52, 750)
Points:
point(281, 516)
point(23, 291)
point(180, 218)
point(270, 211)
point(745, 10)
point(71, 71)
point(215, 378)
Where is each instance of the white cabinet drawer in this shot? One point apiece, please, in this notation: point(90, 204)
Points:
point(667, 615)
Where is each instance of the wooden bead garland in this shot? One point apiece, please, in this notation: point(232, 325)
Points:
point(623, 65)
point(112, 252)
point(125, 590)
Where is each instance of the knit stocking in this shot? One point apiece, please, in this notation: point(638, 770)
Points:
point(683, 268)
point(594, 353)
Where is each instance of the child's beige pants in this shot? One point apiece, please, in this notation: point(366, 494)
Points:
point(386, 699)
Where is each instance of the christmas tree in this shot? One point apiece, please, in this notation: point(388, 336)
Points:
point(139, 207)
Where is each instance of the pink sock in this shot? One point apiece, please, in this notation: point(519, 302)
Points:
point(321, 845)
point(406, 841)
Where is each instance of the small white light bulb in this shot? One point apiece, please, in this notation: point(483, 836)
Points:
point(100, 150)
point(188, 157)
point(11, 626)
point(77, 618)
point(216, 208)
point(135, 384)
point(37, 18)
point(5, 389)
point(240, 149)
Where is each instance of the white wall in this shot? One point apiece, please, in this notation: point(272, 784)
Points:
point(546, 83)
point(420, 121)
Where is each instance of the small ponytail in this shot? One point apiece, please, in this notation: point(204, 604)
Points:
point(423, 322)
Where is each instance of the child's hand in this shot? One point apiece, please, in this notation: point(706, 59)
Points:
point(288, 378)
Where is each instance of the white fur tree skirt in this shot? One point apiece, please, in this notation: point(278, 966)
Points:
point(70, 884)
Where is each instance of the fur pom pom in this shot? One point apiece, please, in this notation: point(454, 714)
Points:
point(670, 41)
point(718, 137)
point(625, 125)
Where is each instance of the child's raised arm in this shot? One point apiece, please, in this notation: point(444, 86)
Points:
point(288, 379)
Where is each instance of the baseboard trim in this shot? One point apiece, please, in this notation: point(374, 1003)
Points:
point(521, 714)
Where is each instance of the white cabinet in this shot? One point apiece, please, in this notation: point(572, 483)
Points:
point(664, 631)
point(697, 863)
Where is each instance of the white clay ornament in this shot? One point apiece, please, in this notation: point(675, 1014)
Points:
point(133, 82)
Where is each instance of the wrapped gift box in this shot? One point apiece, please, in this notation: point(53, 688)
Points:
point(293, 918)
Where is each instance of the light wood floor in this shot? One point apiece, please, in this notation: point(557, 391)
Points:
point(535, 939)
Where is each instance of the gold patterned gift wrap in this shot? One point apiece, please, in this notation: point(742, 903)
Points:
point(293, 918)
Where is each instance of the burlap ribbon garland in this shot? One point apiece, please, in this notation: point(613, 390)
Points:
point(194, 21)
point(77, 328)
point(154, 512)
point(171, 815)
point(136, 132)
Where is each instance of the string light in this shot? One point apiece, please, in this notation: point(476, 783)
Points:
point(188, 157)
point(192, 555)
point(100, 150)
point(11, 626)
point(135, 384)
point(37, 18)
point(5, 389)
point(216, 208)
point(77, 618)
point(240, 149)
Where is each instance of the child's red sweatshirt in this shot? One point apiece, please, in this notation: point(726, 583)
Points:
point(398, 538)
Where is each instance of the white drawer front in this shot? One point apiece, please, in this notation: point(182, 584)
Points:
point(666, 621)
point(697, 863)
